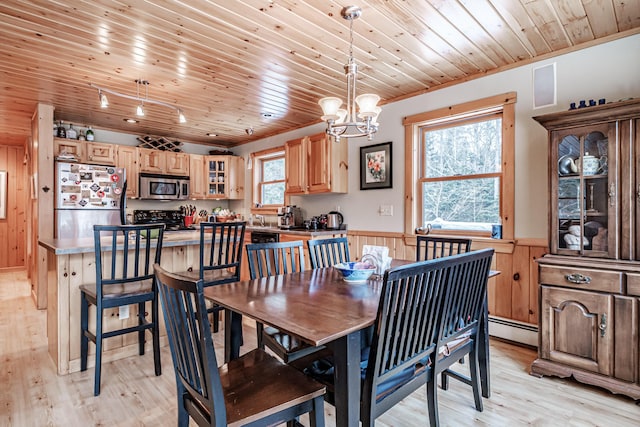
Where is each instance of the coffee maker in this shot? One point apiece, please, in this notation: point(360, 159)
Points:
point(290, 217)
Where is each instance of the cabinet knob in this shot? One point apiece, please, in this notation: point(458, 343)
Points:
point(578, 279)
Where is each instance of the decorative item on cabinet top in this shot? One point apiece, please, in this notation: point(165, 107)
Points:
point(159, 143)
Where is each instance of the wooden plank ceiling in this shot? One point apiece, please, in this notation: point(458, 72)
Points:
point(232, 65)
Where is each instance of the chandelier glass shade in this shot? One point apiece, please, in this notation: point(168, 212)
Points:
point(104, 101)
point(349, 122)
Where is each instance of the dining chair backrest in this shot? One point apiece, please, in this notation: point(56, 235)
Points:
point(431, 247)
point(328, 252)
point(142, 243)
point(462, 317)
point(221, 249)
point(274, 258)
point(192, 350)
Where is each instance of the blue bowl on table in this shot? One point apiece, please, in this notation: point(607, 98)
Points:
point(355, 272)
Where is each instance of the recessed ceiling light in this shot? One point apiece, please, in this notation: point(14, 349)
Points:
point(131, 120)
point(211, 134)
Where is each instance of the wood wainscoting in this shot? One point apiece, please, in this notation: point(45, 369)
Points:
point(513, 294)
point(13, 245)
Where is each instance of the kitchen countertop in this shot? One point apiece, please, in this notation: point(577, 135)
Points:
point(171, 238)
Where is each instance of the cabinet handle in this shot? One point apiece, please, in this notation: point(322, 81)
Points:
point(612, 194)
point(578, 278)
point(603, 325)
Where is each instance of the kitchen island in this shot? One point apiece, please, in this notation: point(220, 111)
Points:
point(71, 263)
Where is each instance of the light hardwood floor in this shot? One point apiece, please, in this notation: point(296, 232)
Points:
point(31, 394)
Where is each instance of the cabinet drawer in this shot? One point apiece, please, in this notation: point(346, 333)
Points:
point(633, 284)
point(589, 279)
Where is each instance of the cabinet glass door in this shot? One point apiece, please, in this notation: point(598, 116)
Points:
point(216, 178)
point(585, 197)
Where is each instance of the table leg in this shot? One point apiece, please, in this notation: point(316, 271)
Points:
point(232, 335)
point(483, 353)
point(346, 355)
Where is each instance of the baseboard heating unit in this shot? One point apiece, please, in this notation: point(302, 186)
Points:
point(512, 330)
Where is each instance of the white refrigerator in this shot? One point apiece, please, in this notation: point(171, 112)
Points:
point(88, 195)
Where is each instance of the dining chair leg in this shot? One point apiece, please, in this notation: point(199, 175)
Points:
point(183, 415)
point(96, 386)
point(483, 354)
point(141, 337)
point(316, 416)
point(432, 402)
point(155, 331)
point(475, 379)
point(84, 325)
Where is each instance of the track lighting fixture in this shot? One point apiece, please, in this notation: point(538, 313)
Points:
point(104, 102)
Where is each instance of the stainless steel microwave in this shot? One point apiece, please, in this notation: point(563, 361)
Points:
point(163, 187)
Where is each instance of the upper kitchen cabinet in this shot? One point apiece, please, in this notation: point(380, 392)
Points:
point(128, 159)
point(177, 163)
point(163, 162)
point(97, 153)
point(152, 161)
point(224, 177)
point(315, 164)
point(68, 148)
point(197, 181)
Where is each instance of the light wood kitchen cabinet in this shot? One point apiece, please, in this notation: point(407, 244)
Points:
point(197, 180)
point(590, 282)
point(224, 177)
point(152, 161)
point(177, 163)
point(128, 159)
point(68, 147)
point(316, 164)
point(98, 153)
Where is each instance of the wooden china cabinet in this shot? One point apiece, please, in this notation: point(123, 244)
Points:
point(590, 282)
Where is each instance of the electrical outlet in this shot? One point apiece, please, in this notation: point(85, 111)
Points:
point(386, 210)
point(123, 312)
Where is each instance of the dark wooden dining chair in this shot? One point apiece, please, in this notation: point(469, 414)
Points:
point(255, 389)
point(328, 252)
point(430, 247)
point(272, 259)
point(221, 245)
point(409, 330)
point(463, 319)
point(124, 258)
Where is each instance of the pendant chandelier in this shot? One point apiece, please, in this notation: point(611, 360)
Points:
point(346, 123)
point(104, 101)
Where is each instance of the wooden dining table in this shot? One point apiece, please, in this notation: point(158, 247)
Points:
point(320, 308)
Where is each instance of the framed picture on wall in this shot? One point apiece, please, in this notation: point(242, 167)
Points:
point(375, 166)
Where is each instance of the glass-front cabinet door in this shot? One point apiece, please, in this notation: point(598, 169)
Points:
point(584, 189)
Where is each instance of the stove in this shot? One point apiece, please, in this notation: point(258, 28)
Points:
point(172, 219)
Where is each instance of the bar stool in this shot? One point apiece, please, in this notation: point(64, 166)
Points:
point(125, 255)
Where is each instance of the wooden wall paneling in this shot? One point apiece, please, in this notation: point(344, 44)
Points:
point(81, 270)
point(520, 284)
point(535, 252)
point(501, 305)
point(13, 228)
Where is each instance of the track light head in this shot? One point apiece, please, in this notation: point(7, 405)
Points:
point(104, 102)
point(181, 117)
point(139, 110)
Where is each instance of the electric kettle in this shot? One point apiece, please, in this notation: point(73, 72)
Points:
point(334, 220)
